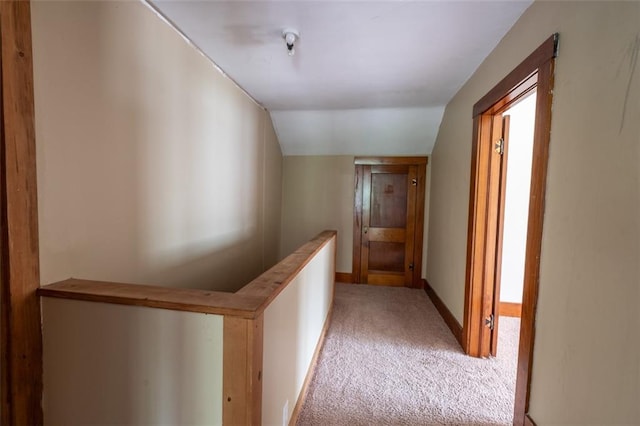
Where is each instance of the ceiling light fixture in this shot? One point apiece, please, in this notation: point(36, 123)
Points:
point(290, 37)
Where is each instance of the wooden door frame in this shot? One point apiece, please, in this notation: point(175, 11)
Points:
point(21, 360)
point(421, 162)
point(535, 72)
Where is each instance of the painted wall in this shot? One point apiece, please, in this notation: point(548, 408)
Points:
point(367, 131)
point(101, 364)
point(317, 194)
point(586, 365)
point(516, 215)
point(293, 323)
point(153, 167)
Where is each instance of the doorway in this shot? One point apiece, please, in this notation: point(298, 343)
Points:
point(486, 213)
point(517, 147)
point(389, 220)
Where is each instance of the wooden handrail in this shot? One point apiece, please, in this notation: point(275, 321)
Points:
point(249, 302)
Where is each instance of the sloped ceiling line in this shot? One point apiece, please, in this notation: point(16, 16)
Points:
point(367, 75)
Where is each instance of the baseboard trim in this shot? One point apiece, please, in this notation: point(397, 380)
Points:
point(344, 277)
point(445, 313)
point(312, 368)
point(509, 309)
point(528, 421)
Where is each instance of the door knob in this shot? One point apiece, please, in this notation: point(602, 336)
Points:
point(366, 229)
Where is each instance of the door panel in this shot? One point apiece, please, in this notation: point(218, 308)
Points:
point(386, 256)
point(386, 212)
point(500, 235)
point(492, 230)
point(388, 200)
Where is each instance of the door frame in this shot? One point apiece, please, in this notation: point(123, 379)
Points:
point(421, 162)
point(21, 337)
point(535, 72)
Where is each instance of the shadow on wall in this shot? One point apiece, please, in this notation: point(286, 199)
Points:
point(221, 269)
point(151, 163)
point(119, 364)
point(201, 187)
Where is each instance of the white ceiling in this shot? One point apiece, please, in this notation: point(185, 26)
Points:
point(380, 63)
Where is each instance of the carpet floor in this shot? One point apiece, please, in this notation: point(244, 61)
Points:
point(389, 359)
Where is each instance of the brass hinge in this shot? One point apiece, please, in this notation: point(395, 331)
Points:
point(489, 322)
point(499, 146)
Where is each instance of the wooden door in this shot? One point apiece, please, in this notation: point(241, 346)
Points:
point(389, 215)
point(501, 152)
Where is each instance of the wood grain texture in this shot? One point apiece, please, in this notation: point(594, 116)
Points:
point(272, 282)
point(506, 120)
point(508, 309)
point(344, 277)
point(365, 216)
point(242, 371)
point(386, 278)
point(249, 302)
point(314, 362)
point(445, 313)
point(370, 226)
point(357, 224)
point(419, 226)
point(21, 336)
point(488, 343)
point(541, 138)
point(409, 262)
point(178, 299)
point(376, 161)
point(392, 235)
point(519, 75)
point(475, 291)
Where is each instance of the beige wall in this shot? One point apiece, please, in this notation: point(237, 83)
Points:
point(102, 364)
point(293, 323)
point(317, 194)
point(152, 166)
point(586, 367)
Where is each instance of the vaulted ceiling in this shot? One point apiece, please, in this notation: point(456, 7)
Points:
point(367, 77)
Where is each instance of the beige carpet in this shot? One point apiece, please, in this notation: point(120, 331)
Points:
point(389, 359)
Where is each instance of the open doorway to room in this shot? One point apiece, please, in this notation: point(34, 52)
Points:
point(517, 154)
point(491, 123)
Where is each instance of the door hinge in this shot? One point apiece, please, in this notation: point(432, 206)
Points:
point(489, 322)
point(411, 266)
point(499, 146)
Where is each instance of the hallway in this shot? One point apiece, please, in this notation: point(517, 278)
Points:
point(389, 358)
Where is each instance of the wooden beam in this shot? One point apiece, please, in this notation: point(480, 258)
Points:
point(511, 85)
point(249, 302)
point(177, 299)
point(381, 161)
point(20, 270)
point(508, 309)
point(242, 371)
